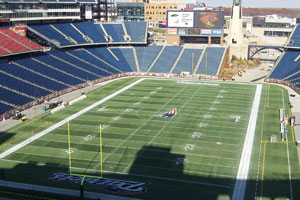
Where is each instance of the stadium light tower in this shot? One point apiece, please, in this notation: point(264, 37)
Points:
point(236, 32)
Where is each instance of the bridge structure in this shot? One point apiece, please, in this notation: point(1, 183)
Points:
point(255, 49)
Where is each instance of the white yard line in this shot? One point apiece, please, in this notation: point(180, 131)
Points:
point(242, 175)
point(51, 128)
point(288, 152)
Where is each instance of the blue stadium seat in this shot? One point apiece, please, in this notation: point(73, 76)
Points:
point(104, 54)
point(12, 97)
point(115, 31)
point(185, 63)
point(21, 86)
point(146, 56)
point(70, 31)
point(126, 59)
point(295, 38)
point(166, 59)
point(50, 33)
point(137, 31)
point(43, 69)
point(92, 30)
point(66, 67)
point(32, 77)
point(84, 55)
point(214, 59)
point(4, 107)
point(78, 62)
point(287, 65)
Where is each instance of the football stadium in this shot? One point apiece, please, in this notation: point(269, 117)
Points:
point(98, 109)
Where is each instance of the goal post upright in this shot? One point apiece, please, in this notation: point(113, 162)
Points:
point(69, 152)
point(100, 143)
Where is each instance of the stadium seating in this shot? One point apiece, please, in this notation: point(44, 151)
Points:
point(21, 39)
point(213, 56)
point(91, 30)
point(50, 34)
point(295, 38)
point(137, 31)
point(32, 77)
point(185, 63)
point(115, 31)
point(126, 59)
point(167, 59)
point(146, 56)
point(90, 57)
point(71, 32)
point(105, 55)
point(13, 97)
point(288, 65)
point(11, 45)
point(78, 62)
point(4, 107)
point(32, 64)
point(21, 86)
point(66, 67)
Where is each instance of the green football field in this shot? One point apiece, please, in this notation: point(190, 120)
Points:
point(153, 154)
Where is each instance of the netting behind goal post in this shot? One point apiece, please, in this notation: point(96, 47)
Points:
point(84, 166)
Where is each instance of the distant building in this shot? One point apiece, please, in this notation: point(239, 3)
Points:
point(127, 11)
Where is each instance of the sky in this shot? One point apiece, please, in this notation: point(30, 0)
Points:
point(252, 3)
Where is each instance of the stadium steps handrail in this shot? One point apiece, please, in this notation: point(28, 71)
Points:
point(199, 60)
point(5, 49)
point(291, 75)
point(112, 53)
point(9, 104)
point(154, 61)
point(55, 42)
point(35, 72)
point(275, 64)
point(177, 60)
point(125, 33)
point(106, 36)
point(47, 65)
point(17, 41)
point(136, 60)
point(288, 41)
point(85, 37)
point(115, 68)
point(25, 81)
point(66, 37)
point(75, 66)
point(18, 92)
point(91, 64)
point(222, 60)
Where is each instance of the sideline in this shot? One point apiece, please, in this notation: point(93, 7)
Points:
point(60, 191)
point(241, 178)
point(51, 128)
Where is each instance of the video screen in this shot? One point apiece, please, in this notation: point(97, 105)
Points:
point(209, 20)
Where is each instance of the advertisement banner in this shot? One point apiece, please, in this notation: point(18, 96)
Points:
point(172, 31)
point(182, 31)
point(209, 19)
point(20, 30)
point(205, 31)
point(180, 19)
point(217, 32)
point(194, 31)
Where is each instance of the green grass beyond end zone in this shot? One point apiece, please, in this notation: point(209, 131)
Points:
point(207, 132)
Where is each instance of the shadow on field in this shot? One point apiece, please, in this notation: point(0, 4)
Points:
point(4, 137)
point(156, 173)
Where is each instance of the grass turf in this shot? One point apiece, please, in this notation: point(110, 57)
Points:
point(140, 145)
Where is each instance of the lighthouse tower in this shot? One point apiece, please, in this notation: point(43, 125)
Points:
point(236, 32)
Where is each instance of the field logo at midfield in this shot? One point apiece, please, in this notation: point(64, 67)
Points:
point(107, 184)
point(172, 113)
